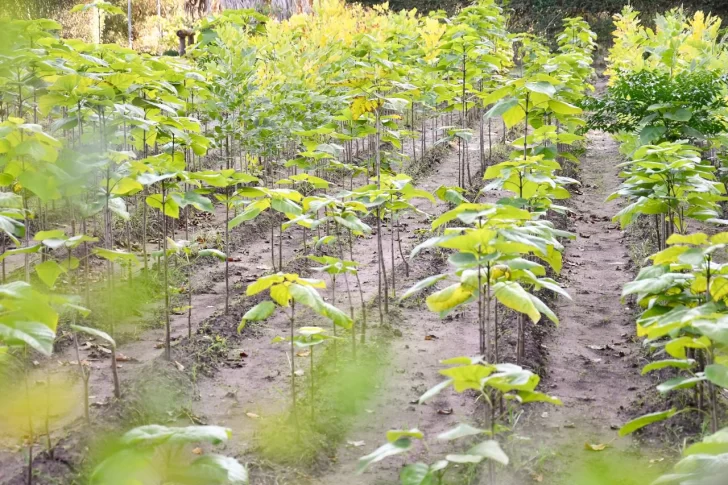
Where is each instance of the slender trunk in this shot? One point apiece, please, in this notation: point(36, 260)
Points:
point(168, 330)
point(490, 142)
point(128, 7)
point(86, 269)
point(128, 244)
point(520, 344)
point(393, 257)
point(363, 311)
point(481, 324)
point(333, 299)
point(401, 253)
point(49, 447)
point(382, 268)
point(272, 246)
point(313, 389)
point(227, 252)
point(293, 365)
point(31, 433)
point(713, 399)
point(414, 144)
point(495, 332)
point(114, 370)
point(189, 297)
point(280, 245)
point(84, 376)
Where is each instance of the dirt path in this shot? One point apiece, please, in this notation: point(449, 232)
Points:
point(593, 364)
point(408, 368)
point(415, 355)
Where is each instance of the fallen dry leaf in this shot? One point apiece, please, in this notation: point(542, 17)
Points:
point(431, 337)
point(595, 447)
point(537, 478)
point(252, 415)
point(303, 353)
point(445, 412)
point(355, 444)
point(180, 367)
point(197, 451)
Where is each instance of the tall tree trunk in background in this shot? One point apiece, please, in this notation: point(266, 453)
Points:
point(159, 25)
point(128, 20)
point(208, 7)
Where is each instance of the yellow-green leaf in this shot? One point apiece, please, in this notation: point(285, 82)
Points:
point(695, 239)
point(448, 298)
point(512, 295)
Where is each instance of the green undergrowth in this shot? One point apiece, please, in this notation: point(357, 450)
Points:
point(343, 387)
point(610, 467)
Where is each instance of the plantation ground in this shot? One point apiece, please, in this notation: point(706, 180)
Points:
point(584, 362)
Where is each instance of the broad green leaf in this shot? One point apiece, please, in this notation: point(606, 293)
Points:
point(696, 239)
point(263, 283)
point(396, 434)
point(261, 311)
point(24, 250)
point(384, 451)
point(246, 215)
point(563, 108)
point(514, 116)
point(415, 474)
point(434, 391)
point(542, 87)
point(421, 285)
point(661, 364)
point(679, 383)
point(49, 271)
point(717, 374)
point(714, 444)
point(34, 334)
point(286, 206)
point(535, 396)
point(638, 423)
point(467, 376)
point(501, 107)
point(155, 434)
point(168, 204)
point(680, 114)
point(212, 468)
point(54, 234)
point(459, 431)
point(95, 333)
point(489, 449)
point(512, 295)
point(280, 294)
point(212, 252)
point(448, 298)
point(115, 255)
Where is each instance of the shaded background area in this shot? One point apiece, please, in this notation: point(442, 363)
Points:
point(537, 16)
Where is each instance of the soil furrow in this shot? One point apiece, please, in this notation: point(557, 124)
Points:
point(592, 359)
